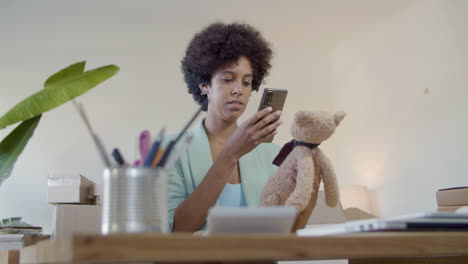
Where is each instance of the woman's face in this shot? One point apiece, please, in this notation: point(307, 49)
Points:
point(230, 89)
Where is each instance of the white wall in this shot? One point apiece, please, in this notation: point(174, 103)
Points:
point(403, 82)
point(147, 39)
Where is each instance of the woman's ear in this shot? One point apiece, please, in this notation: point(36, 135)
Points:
point(203, 88)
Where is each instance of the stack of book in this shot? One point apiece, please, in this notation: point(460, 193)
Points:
point(452, 199)
point(18, 241)
point(15, 234)
point(11, 241)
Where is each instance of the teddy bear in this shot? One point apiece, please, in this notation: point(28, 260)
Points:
point(302, 166)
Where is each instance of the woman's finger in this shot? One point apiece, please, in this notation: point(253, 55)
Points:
point(269, 137)
point(270, 128)
point(267, 120)
point(259, 115)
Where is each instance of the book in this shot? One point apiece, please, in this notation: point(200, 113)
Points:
point(18, 241)
point(5, 246)
point(11, 238)
point(449, 208)
point(452, 196)
point(14, 225)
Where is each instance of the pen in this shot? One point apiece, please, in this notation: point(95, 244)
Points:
point(118, 157)
point(171, 145)
point(144, 144)
point(157, 157)
point(97, 141)
point(154, 148)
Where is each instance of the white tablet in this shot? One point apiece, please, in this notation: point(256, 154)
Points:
point(271, 219)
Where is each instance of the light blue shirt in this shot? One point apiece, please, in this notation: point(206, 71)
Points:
point(232, 196)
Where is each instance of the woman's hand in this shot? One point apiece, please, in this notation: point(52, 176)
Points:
point(261, 127)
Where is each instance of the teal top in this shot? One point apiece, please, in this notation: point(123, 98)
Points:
point(232, 196)
point(255, 168)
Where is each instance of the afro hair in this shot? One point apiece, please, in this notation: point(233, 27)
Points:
point(220, 45)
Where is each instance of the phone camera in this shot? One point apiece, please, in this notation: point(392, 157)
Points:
point(269, 97)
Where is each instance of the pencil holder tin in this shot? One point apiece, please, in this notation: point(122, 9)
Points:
point(134, 200)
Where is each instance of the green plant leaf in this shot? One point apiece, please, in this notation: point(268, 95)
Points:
point(65, 74)
point(13, 144)
point(56, 94)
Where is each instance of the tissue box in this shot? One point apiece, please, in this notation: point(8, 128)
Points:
point(69, 219)
point(69, 188)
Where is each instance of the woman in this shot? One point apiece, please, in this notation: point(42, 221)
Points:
point(225, 165)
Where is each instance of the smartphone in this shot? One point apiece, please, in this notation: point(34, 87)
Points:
point(274, 98)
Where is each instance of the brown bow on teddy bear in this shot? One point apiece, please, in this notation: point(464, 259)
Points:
point(297, 181)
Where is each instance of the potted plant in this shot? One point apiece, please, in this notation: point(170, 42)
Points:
point(59, 88)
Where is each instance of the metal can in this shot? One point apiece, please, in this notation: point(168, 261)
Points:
point(134, 200)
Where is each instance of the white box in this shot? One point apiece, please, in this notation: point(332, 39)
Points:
point(69, 219)
point(96, 194)
point(98, 190)
point(452, 196)
point(69, 188)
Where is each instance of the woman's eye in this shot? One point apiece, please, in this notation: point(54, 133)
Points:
point(247, 83)
point(227, 79)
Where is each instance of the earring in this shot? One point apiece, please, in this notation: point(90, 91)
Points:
point(204, 92)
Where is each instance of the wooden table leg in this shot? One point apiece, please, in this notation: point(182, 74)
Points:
point(9, 257)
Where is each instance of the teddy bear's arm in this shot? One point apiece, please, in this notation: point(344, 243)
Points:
point(330, 183)
point(304, 182)
point(269, 195)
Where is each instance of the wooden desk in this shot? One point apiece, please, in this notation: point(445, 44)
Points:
point(388, 247)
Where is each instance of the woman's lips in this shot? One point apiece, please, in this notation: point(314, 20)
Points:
point(236, 103)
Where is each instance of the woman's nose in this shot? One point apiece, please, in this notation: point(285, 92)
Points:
point(237, 89)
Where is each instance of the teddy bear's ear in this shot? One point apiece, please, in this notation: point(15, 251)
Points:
point(338, 117)
point(301, 117)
